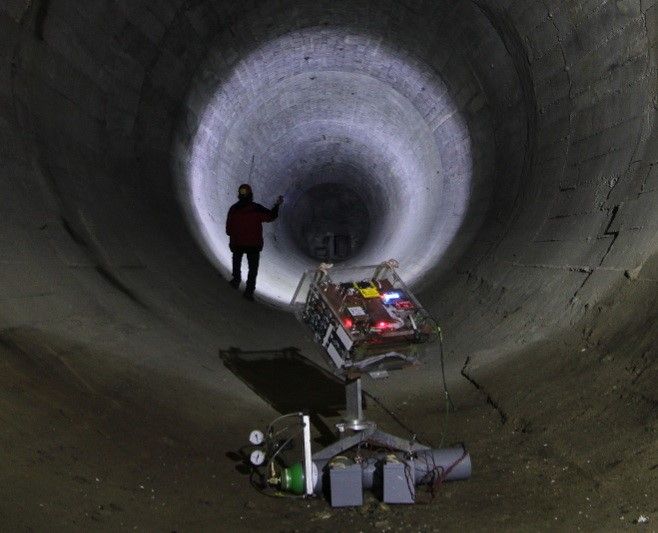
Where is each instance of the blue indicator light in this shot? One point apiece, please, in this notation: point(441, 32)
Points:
point(388, 296)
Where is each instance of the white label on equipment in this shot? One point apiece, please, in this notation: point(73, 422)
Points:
point(335, 356)
point(325, 341)
point(345, 338)
point(356, 311)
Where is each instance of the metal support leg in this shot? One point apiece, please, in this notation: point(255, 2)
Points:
point(396, 443)
point(343, 445)
point(366, 431)
point(354, 419)
point(371, 435)
point(354, 400)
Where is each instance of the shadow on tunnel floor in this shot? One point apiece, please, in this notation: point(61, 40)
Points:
point(289, 382)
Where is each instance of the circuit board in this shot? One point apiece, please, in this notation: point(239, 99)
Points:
point(366, 324)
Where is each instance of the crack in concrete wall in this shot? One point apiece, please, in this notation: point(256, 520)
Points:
point(487, 396)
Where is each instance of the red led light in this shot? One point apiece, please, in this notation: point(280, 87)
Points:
point(347, 322)
point(383, 325)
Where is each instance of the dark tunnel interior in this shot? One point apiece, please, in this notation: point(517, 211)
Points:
point(505, 152)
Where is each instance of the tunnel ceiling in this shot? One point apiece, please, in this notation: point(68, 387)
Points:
point(504, 152)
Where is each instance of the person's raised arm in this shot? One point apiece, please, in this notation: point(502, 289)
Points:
point(272, 214)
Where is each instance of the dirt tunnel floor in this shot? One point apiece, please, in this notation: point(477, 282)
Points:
point(571, 445)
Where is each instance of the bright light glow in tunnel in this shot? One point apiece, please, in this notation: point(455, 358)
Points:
point(374, 152)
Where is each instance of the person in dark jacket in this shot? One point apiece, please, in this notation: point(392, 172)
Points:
point(244, 226)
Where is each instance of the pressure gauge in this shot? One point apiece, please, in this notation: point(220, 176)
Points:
point(256, 437)
point(257, 457)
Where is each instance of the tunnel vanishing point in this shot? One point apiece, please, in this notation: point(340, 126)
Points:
point(505, 152)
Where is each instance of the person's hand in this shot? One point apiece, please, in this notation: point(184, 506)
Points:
point(279, 200)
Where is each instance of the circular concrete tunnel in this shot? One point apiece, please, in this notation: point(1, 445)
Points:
point(505, 153)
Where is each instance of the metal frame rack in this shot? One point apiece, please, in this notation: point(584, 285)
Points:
point(365, 318)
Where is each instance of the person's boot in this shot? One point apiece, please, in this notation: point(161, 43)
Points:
point(235, 284)
point(249, 295)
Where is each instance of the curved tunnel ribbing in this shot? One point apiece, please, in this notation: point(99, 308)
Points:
point(493, 155)
point(504, 152)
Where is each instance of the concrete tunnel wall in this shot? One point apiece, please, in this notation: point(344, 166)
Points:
point(505, 152)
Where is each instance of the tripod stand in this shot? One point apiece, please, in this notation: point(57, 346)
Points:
point(362, 430)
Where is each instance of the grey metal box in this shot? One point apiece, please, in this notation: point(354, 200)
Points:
point(399, 482)
point(346, 484)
